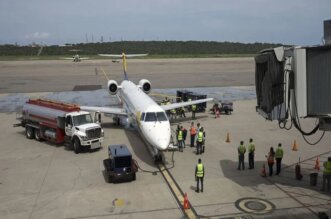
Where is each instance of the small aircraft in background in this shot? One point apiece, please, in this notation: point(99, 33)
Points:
point(76, 57)
point(141, 110)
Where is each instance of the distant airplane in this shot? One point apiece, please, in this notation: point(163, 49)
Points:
point(140, 109)
point(76, 58)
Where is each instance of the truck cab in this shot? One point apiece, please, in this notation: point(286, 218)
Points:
point(119, 166)
point(83, 131)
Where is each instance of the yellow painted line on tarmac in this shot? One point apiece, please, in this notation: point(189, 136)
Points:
point(104, 73)
point(173, 186)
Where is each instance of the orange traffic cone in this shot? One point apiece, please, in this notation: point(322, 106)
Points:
point(227, 138)
point(295, 146)
point(317, 164)
point(186, 203)
point(263, 172)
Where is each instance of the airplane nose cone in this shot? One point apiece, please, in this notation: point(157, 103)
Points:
point(157, 134)
point(162, 144)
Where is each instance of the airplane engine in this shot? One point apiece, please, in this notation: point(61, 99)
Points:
point(145, 85)
point(112, 87)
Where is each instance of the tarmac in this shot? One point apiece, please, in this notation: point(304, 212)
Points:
point(41, 180)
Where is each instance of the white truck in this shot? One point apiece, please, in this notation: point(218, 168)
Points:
point(60, 123)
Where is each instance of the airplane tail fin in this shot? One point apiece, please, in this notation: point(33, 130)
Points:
point(124, 66)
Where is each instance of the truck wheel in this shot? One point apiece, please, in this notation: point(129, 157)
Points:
point(29, 132)
point(134, 177)
point(37, 134)
point(76, 145)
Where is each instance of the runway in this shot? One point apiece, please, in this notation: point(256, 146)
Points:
point(59, 75)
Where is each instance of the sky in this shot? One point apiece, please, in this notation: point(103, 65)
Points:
point(295, 22)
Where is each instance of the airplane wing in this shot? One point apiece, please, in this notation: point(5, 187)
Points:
point(182, 104)
point(109, 110)
point(67, 58)
point(120, 55)
point(111, 55)
point(135, 55)
point(84, 58)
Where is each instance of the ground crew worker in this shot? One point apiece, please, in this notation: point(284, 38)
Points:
point(193, 132)
point(279, 157)
point(182, 112)
point(271, 160)
point(204, 140)
point(180, 139)
point(251, 151)
point(200, 141)
point(194, 108)
point(241, 154)
point(326, 174)
point(198, 127)
point(198, 130)
point(173, 113)
point(199, 175)
point(184, 136)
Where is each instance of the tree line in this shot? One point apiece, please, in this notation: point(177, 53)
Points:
point(150, 47)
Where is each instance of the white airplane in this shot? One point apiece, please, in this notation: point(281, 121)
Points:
point(76, 58)
point(151, 118)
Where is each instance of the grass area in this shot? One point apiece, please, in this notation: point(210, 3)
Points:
point(163, 56)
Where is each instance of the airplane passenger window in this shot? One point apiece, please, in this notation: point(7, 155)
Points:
point(150, 117)
point(161, 116)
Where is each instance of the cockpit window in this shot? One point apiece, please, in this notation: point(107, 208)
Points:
point(161, 116)
point(150, 117)
point(155, 116)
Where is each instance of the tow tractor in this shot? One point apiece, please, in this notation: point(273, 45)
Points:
point(120, 165)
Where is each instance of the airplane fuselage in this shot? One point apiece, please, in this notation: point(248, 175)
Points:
point(151, 119)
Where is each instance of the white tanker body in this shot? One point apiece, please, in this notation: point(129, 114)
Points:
point(60, 122)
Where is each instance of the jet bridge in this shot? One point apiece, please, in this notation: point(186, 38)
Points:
point(293, 83)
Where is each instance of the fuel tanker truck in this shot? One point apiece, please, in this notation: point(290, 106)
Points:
point(61, 123)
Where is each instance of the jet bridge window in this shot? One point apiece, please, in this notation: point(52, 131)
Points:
point(155, 116)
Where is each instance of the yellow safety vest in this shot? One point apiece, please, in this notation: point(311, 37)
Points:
point(180, 135)
point(251, 147)
point(279, 152)
point(241, 149)
point(200, 136)
point(194, 107)
point(327, 167)
point(200, 170)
